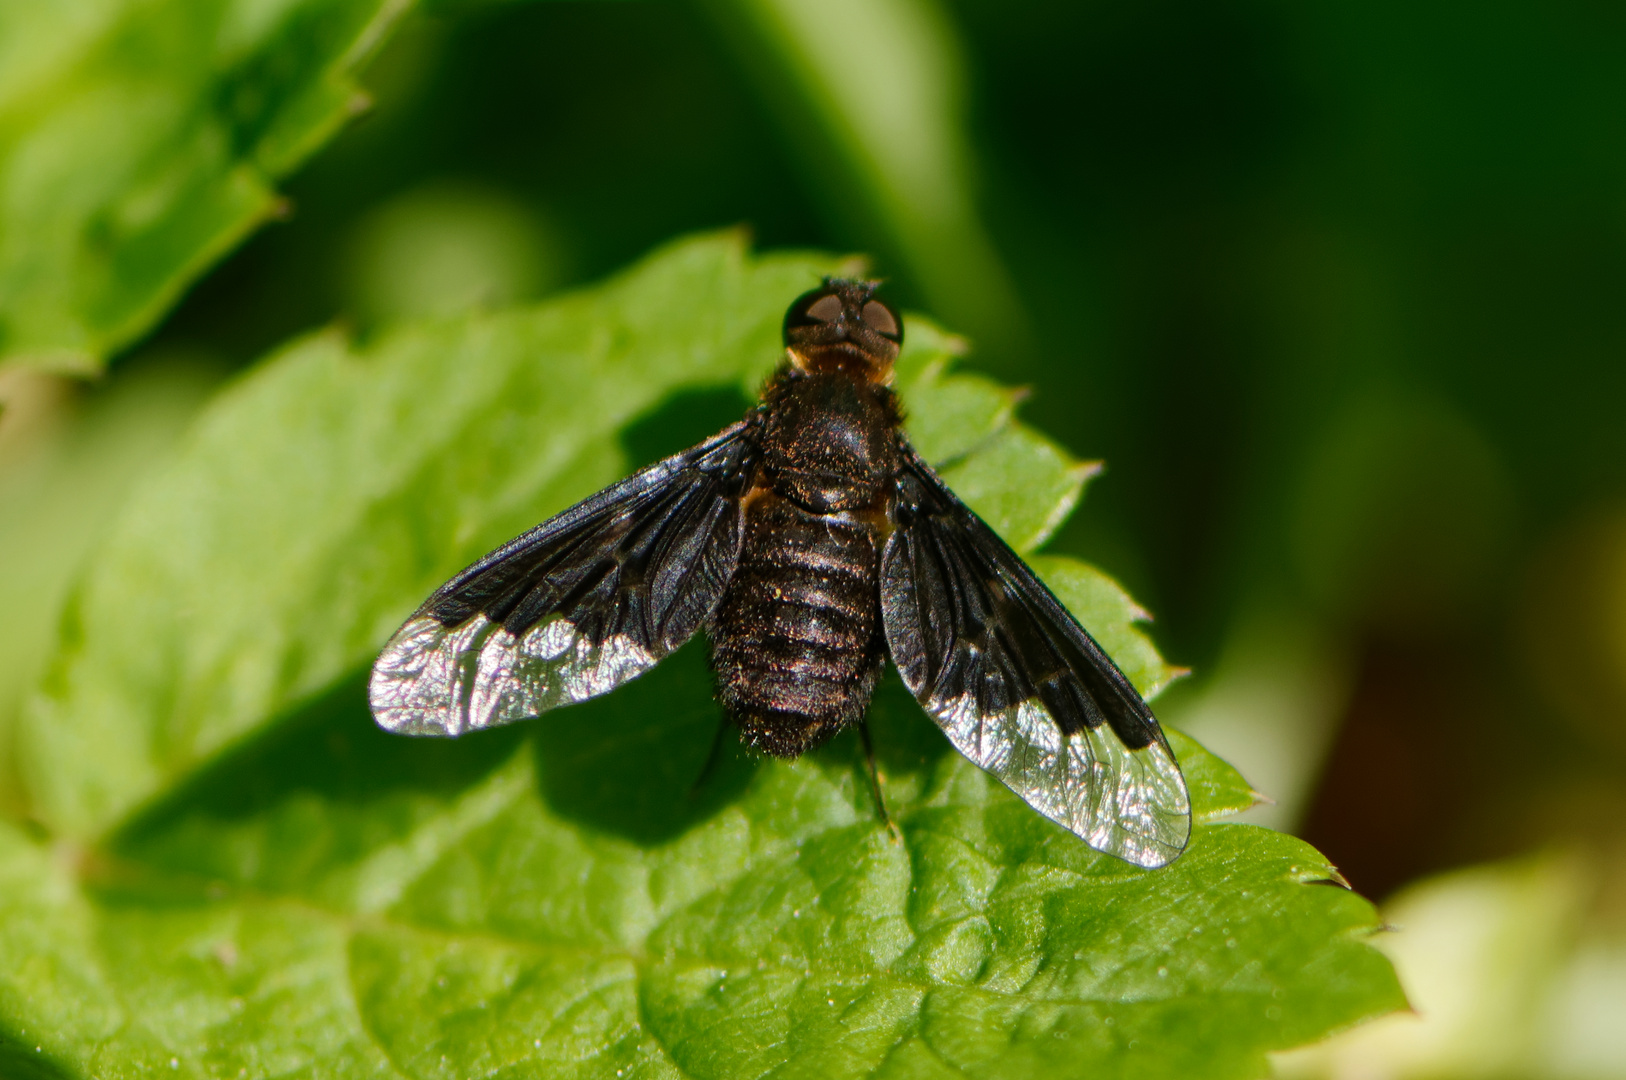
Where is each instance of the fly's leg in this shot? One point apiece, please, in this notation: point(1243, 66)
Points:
point(875, 783)
point(713, 757)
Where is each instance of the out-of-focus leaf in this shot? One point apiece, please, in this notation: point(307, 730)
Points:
point(250, 876)
point(1273, 702)
point(443, 249)
point(58, 494)
point(870, 95)
point(1515, 969)
point(141, 141)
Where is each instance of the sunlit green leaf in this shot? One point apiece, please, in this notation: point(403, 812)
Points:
point(519, 918)
point(1111, 617)
point(324, 495)
point(246, 876)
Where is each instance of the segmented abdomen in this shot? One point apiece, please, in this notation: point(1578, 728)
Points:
point(797, 638)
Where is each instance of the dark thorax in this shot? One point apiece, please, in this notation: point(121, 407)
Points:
point(798, 641)
point(829, 442)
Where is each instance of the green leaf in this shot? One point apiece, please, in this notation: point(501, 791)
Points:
point(323, 496)
point(59, 497)
point(1217, 789)
point(1111, 617)
point(247, 876)
point(516, 920)
point(141, 141)
point(947, 416)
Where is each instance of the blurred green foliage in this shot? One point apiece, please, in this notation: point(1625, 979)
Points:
point(140, 142)
point(1333, 291)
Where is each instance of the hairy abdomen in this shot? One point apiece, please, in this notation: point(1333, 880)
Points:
point(797, 639)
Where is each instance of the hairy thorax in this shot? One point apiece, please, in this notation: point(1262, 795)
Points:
point(829, 441)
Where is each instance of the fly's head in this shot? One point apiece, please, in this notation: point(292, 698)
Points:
point(841, 326)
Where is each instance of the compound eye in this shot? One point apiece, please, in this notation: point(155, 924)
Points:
point(882, 320)
point(825, 309)
point(818, 308)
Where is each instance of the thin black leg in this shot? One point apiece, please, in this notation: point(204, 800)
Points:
point(875, 782)
point(712, 757)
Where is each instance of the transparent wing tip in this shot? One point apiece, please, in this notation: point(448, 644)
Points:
point(1150, 852)
point(412, 684)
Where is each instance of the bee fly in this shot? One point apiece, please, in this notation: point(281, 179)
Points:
point(811, 542)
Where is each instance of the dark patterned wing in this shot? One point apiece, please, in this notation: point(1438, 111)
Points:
point(1020, 688)
point(575, 607)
